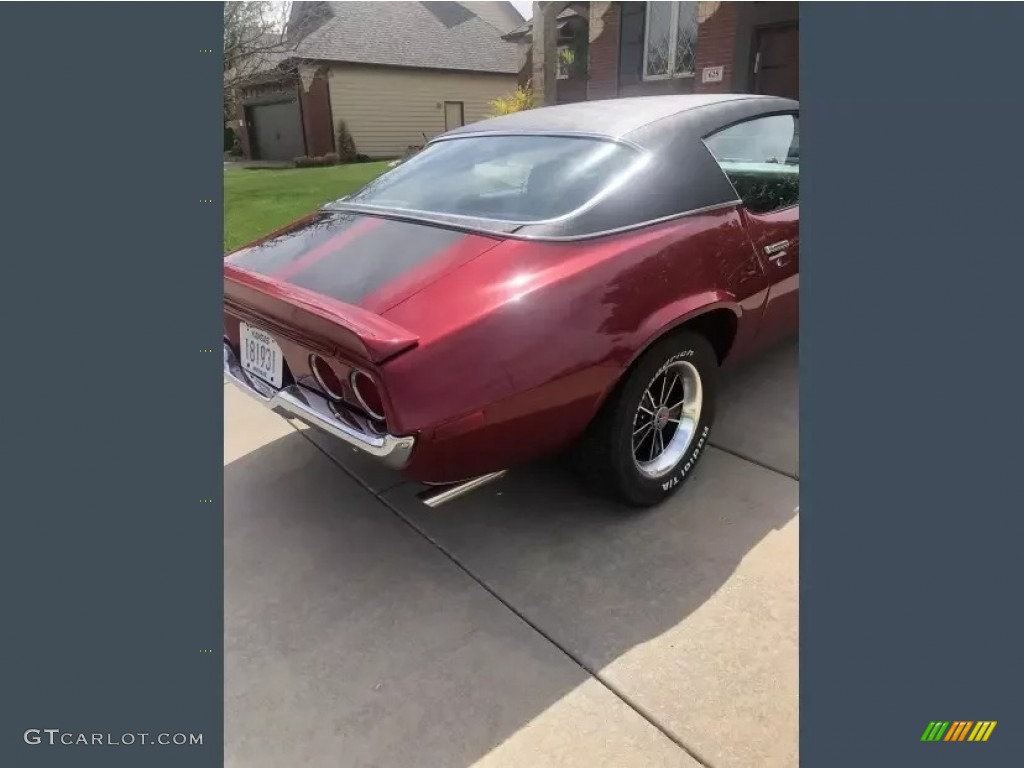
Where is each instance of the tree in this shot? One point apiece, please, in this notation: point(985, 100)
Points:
point(262, 36)
point(518, 100)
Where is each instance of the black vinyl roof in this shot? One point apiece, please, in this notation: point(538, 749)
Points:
point(676, 176)
point(628, 118)
point(683, 177)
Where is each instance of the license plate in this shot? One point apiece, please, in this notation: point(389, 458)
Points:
point(261, 355)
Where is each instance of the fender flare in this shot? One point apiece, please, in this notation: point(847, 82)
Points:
point(665, 321)
point(672, 316)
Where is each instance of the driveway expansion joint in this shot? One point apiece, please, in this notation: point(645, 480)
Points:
point(611, 688)
point(756, 462)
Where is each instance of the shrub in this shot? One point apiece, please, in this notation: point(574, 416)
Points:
point(361, 158)
point(303, 162)
point(331, 158)
point(517, 101)
point(346, 145)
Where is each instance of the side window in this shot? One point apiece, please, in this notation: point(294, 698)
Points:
point(761, 157)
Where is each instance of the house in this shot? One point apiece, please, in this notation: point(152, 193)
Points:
point(646, 48)
point(571, 46)
point(395, 72)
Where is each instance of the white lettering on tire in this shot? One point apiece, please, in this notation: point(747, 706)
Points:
point(680, 356)
point(672, 482)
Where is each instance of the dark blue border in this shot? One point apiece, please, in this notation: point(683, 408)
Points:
point(911, 408)
point(111, 563)
point(112, 566)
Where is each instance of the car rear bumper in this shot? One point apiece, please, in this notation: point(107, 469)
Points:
point(310, 407)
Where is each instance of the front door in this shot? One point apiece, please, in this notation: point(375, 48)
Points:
point(454, 115)
point(777, 61)
point(761, 157)
point(776, 238)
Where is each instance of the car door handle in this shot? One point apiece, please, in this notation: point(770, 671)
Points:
point(776, 252)
point(777, 248)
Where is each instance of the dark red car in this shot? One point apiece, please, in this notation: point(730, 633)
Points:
point(571, 276)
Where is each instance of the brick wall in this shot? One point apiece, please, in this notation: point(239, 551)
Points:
point(603, 65)
point(716, 44)
point(317, 124)
point(241, 128)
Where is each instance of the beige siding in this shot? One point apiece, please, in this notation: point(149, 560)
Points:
point(387, 110)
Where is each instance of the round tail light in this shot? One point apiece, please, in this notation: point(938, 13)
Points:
point(367, 394)
point(326, 377)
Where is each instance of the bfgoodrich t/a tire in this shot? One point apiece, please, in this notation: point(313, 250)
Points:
point(654, 429)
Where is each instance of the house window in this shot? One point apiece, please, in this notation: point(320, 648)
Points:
point(566, 57)
point(670, 40)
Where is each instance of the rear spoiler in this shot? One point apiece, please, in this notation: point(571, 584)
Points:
point(313, 319)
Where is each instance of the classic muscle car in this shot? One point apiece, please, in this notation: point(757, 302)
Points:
point(564, 277)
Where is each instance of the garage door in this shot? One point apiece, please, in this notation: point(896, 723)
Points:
point(277, 129)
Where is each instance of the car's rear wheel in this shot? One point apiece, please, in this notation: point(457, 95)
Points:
point(654, 428)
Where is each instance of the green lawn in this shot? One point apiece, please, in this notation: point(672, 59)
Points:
point(257, 201)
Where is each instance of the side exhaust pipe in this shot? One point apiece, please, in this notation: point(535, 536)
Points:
point(441, 494)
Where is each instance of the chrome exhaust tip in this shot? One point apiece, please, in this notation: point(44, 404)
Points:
point(441, 494)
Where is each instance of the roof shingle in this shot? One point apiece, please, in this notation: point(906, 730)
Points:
point(408, 34)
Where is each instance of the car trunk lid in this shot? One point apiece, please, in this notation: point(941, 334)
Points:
point(369, 262)
point(320, 324)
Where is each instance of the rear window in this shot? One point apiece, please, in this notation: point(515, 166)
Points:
point(511, 178)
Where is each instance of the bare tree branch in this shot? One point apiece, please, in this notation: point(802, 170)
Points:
point(263, 38)
point(259, 36)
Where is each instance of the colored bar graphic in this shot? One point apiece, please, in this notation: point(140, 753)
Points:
point(958, 730)
point(935, 730)
point(983, 730)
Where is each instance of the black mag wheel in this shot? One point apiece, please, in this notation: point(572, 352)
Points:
point(649, 436)
point(666, 418)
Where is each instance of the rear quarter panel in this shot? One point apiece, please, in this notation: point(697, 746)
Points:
point(519, 347)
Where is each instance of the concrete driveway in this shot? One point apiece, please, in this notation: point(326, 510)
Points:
point(527, 624)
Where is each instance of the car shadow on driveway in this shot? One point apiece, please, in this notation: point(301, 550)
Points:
point(352, 641)
point(596, 575)
point(346, 630)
